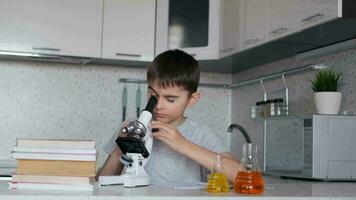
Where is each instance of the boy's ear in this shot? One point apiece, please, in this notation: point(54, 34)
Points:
point(193, 99)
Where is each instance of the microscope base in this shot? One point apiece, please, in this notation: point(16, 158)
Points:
point(126, 180)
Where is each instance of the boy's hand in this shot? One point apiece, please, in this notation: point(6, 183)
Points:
point(168, 134)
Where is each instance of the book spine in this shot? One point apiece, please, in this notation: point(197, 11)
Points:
point(75, 144)
point(53, 150)
point(43, 186)
point(56, 167)
point(52, 179)
point(54, 156)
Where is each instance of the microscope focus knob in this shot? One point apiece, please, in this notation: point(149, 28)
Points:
point(140, 132)
point(126, 160)
point(130, 128)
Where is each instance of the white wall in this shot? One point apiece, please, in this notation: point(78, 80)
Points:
point(46, 100)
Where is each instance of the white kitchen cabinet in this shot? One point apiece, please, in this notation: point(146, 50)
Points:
point(51, 27)
point(283, 17)
point(129, 29)
point(230, 23)
point(315, 12)
point(206, 29)
point(254, 16)
point(268, 20)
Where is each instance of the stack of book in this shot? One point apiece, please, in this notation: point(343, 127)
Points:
point(54, 164)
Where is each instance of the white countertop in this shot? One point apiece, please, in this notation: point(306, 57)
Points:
point(275, 189)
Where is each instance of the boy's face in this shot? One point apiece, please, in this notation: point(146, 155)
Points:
point(172, 102)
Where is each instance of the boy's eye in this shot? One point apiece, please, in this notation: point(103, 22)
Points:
point(171, 100)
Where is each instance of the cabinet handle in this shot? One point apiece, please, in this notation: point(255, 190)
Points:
point(313, 17)
point(280, 30)
point(128, 54)
point(46, 49)
point(252, 40)
point(227, 49)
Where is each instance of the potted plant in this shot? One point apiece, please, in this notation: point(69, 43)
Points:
point(327, 96)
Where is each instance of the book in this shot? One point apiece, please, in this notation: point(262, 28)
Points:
point(53, 150)
point(48, 143)
point(53, 156)
point(50, 186)
point(56, 167)
point(25, 178)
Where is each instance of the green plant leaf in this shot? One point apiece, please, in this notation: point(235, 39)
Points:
point(327, 80)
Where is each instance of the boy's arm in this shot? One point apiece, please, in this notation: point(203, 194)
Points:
point(206, 158)
point(171, 136)
point(112, 165)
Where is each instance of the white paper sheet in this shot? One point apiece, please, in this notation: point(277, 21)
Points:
point(182, 185)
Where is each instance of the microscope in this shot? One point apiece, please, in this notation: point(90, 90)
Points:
point(135, 141)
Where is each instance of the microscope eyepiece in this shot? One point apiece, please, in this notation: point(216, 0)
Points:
point(151, 104)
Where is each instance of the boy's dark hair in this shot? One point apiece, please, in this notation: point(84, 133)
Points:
point(175, 68)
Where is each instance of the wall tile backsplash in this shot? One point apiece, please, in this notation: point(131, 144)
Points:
point(300, 92)
point(46, 100)
point(281, 152)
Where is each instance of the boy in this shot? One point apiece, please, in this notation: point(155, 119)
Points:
point(181, 145)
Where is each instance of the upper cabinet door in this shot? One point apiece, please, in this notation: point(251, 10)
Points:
point(51, 27)
point(283, 17)
point(193, 26)
point(129, 29)
point(230, 28)
point(254, 22)
point(318, 11)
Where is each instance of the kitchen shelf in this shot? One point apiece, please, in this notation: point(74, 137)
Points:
point(269, 111)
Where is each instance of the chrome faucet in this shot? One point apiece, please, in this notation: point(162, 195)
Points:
point(241, 129)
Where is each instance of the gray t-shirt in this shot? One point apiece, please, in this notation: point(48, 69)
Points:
point(165, 164)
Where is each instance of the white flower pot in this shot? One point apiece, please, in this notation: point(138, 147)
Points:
point(327, 102)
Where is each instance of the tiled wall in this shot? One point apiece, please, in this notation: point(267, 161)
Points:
point(46, 100)
point(300, 93)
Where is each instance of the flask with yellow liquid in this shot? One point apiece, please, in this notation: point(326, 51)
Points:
point(217, 180)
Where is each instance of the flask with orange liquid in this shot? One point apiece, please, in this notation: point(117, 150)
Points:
point(249, 180)
point(217, 180)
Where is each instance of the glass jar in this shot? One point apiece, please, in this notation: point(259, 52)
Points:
point(253, 112)
point(268, 108)
point(261, 108)
point(279, 107)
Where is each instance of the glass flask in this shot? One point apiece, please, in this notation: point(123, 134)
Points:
point(250, 179)
point(217, 180)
